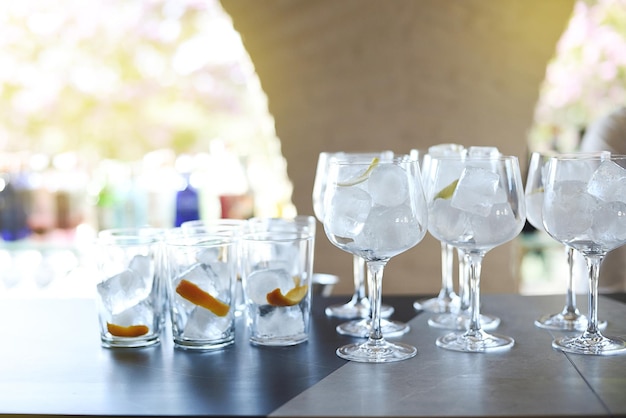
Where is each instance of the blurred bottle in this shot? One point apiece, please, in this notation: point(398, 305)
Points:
point(13, 215)
point(187, 199)
point(42, 206)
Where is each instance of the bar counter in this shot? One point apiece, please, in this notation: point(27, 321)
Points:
point(52, 364)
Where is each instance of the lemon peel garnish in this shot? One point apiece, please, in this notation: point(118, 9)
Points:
point(362, 177)
point(197, 296)
point(127, 331)
point(292, 297)
point(448, 191)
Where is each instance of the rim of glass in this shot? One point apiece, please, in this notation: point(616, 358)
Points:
point(128, 240)
point(396, 159)
point(201, 239)
point(476, 158)
point(214, 224)
point(140, 231)
point(276, 236)
point(588, 156)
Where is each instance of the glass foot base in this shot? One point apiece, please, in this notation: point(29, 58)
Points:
point(361, 328)
point(353, 310)
point(592, 344)
point(438, 304)
point(566, 322)
point(379, 351)
point(460, 322)
point(475, 342)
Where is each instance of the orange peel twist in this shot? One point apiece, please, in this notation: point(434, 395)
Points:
point(197, 296)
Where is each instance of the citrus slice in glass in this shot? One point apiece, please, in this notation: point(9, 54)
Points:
point(292, 297)
point(447, 192)
point(362, 177)
point(197, 296)
point(127, 331)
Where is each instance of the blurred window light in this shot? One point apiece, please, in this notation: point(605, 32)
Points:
point(108, 108)
point(119, 80)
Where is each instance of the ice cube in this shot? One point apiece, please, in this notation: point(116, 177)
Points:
point(277, 256)
point(445, 222)
point(144, 267)
point(259, 283)
point(609, 224)
point(140, 314)
point(390, 230)
point(388, 185)
point(205, 278)
point(499, 227)
point(481, 152)
point(285, 257)
point(346, 213)
point(281, 322)
point(204, 324)
point(442, 150)
point(477, 191)
point(568, 209)
point(208, 255)
point(123, 291)
point(608, 182)
point(575, 169)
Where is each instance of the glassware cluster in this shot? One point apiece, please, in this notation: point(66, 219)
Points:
point(202, 275)
point(378, 205)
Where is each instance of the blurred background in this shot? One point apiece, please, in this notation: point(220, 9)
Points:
point(116, 114)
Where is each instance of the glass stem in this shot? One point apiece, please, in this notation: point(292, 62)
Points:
point(447, 259)
point(475, 263)
point(570, 298)
point(593, 268)
point(358, 273)
point(463, 281)
point(375, 270)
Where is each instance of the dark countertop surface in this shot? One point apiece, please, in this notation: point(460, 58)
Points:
point(51, 363)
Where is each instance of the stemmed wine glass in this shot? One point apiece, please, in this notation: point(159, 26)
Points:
point(359, 305)
point(475, 204)
point(446, 300)
point(375, 210)
point(584, 208)
point(460, 317)
point(457, 314)
point(569, 318)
